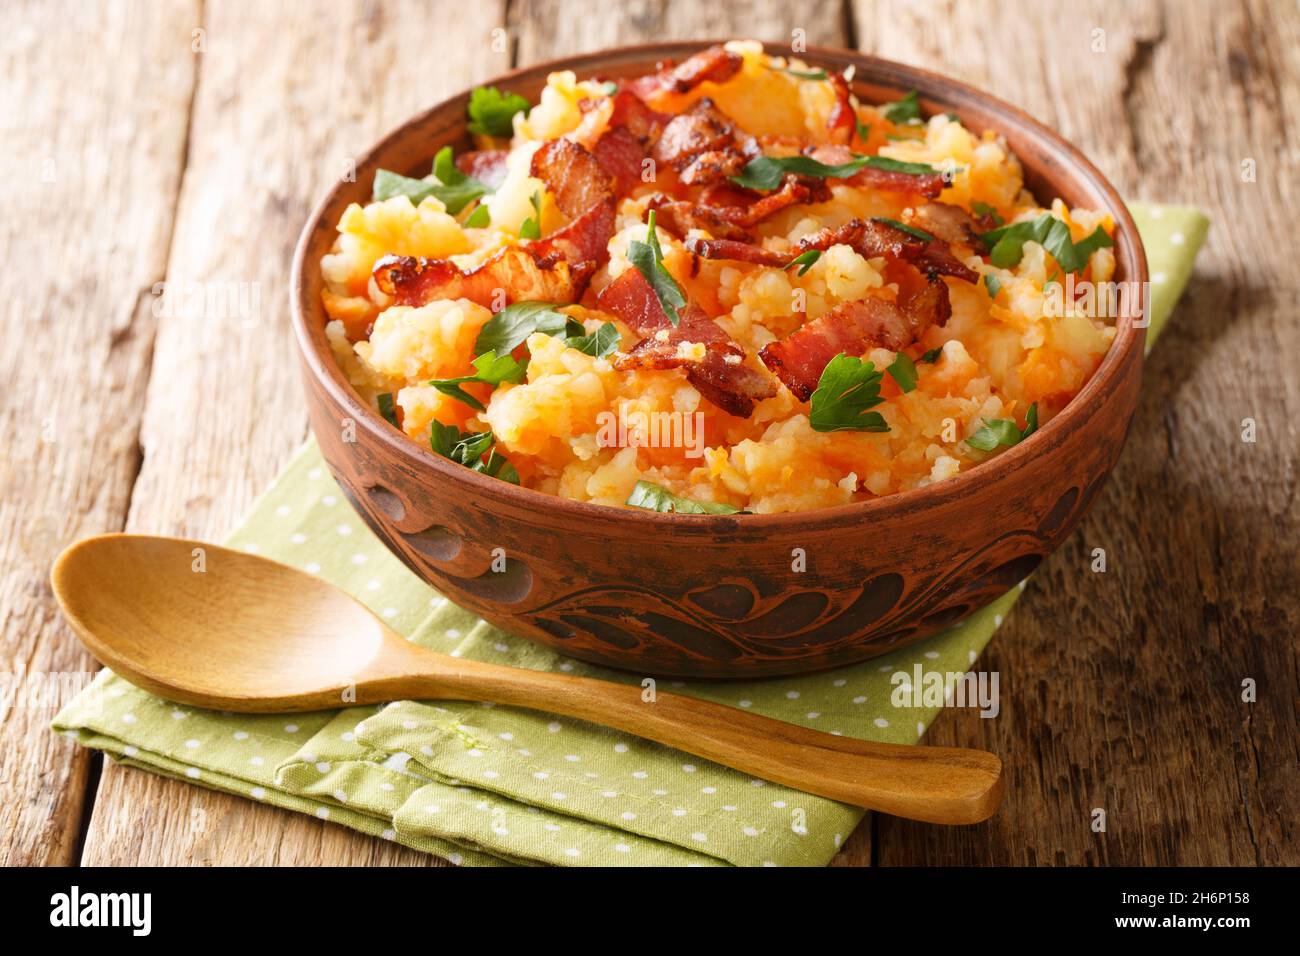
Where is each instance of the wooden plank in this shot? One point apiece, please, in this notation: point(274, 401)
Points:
point(548, 29)
point(91, 170)
point(1122, 690)
point(287, 95)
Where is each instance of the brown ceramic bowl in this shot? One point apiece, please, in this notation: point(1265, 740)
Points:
point(715, 596)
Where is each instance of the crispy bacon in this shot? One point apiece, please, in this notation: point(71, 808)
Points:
point(852, 328)
point(713, 166)
point(631, 113)
point(745, 208)
point(720, 375)
point(714, 64)
point(573, 176)
point(488, 166)
point(953, 224)
point(929, 185)
point(585, 240)
point(842, 121)
point(872, 239)
point(679, 217)
point(620, 154)
point(737, 252)
point(514, 273)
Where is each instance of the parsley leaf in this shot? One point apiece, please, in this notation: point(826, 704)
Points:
point(766, 172)
point(455, 189)
point(468, 449)
point(903, 371)
point(491, 369)
point(480, 218)
point(805, 260)
point(1002, 431)
point(847, 388)
point(931, 356)
point(531, 228)
point(604, 341)
point(648, 258)
point(386, 407)
point(984, 209)
point(817, 74)
point(993, 284)
point(906, 110)
point(898, 166)
point(654, 497)
point(510, 327)
point(863, 129)
point(910, 230)
point(491, 112)
point(1007, 242)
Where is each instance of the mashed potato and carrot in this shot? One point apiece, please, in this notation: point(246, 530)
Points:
point(572, 403)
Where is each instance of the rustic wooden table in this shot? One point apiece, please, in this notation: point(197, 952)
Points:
point(186, 141)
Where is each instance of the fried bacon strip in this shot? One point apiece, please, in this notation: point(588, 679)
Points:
point(488, 166)
point(929, 185)
point(714, 64)
point(852, 328)
point(679, 217)
point(704, 146)
point(572, 175)
point(554, 269)
point(870, 239)
point(842, 121)
point(415, 280)
point(737, 252)
point(720, 375)
point(953, 224)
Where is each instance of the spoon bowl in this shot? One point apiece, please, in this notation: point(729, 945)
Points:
point(226, 630)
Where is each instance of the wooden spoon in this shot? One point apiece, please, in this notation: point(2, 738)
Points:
point(227, 630)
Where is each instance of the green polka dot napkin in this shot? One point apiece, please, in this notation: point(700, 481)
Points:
point(487, 785)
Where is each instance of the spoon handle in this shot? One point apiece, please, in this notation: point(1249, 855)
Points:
point(933, 784)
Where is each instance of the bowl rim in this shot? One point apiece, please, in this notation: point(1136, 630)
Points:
point(315, 351)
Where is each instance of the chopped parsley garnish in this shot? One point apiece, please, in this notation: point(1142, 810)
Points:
point(766, 172)
point(386, 407)
point(847, 388)
point(532, 226)
point(906, 110)
point(479, 218)
point(899, 166)
point(993, 284)
point(490, 369)
point(910, 230)
point(455, 189)
point(1002, 431)
point(469, 449)
point(491, 112)
point(1008, 242)
point(903, 371)
point(817, 74)
point(510, 327)
point(984, 209)
point(805, 261)
point(931, 356)
point(604, 341)
point(648, 258)
point(863, 129)
point(609, 88)
point(654, 497)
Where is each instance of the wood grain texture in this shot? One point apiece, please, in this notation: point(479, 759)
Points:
point(89, 178)
point(1122, 690)
point(287, 95)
